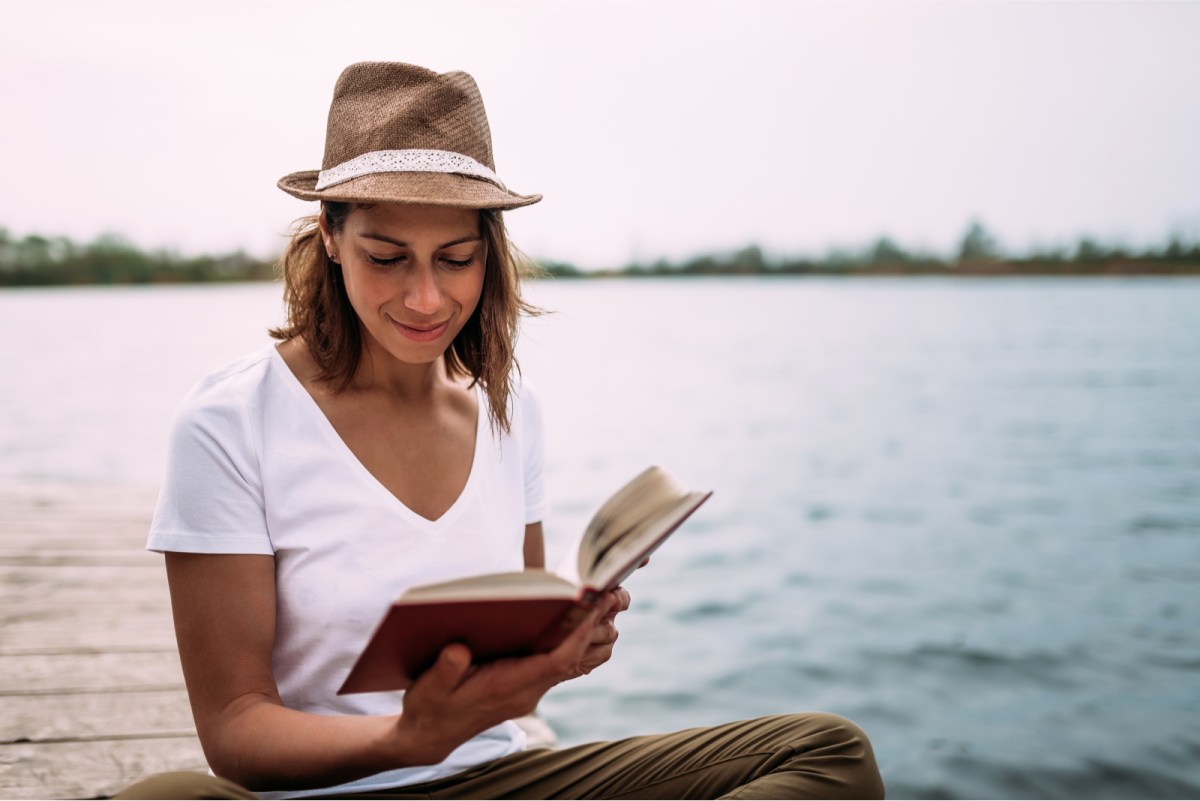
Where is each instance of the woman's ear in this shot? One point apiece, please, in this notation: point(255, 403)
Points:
point(327, 236)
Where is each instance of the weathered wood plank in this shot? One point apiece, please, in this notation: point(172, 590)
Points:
point(107, 607)
point(91, 768)
point(101, 629)
point(58, 495)
point(14, 599)
point(39, 718)
point(34, 581)
point(107, 557)
point(76, 521)
point(53, 533)
point(56, 672)
point(49, 589)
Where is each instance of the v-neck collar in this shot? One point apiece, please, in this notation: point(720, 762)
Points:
point(326, 429)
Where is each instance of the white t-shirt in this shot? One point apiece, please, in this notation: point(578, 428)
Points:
point(255, 467)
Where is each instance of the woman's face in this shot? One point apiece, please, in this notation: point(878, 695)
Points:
point(413, 274)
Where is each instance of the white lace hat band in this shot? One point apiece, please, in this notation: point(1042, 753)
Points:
point(412, 160)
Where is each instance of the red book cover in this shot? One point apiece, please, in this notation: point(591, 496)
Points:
point(412, 635)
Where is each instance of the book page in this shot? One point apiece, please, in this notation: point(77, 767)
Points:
point(627, 553)
point(517, 584)
point(632, 510)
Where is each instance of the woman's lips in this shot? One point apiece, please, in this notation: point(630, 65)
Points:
point(421, 333)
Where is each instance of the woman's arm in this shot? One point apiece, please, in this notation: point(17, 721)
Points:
point(224, 609)
point(535, 546)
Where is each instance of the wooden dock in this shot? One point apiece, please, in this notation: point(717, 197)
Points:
point(90, 684)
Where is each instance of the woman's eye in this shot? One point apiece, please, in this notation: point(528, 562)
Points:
point(457, 264)
point(384, 262)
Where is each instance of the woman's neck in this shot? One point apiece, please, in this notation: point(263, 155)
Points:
point(379, 371)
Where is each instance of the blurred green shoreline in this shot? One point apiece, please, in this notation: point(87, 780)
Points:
point(36, 260)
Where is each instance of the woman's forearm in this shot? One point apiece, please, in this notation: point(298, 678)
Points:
point(264, 746)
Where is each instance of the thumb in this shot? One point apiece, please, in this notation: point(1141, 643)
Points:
point(449, 670)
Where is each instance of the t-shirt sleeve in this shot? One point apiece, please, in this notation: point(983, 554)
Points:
point(211, 499)
point(537, 505)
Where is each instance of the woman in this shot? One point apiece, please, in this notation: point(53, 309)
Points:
point(384, 443)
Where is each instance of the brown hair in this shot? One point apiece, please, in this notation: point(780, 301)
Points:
point(319, 311)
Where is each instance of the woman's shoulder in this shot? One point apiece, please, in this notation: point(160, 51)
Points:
point(525, 408)
point(523, 397)
point(523, 390)
point(232, 387)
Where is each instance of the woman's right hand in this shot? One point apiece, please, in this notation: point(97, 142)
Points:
point(454, 700)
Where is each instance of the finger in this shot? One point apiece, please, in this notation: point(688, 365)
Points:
point(623, 599)
point(607, 607)
point(596, 655)
point(570, 650)
point(605, 633)
point(616, 601)
point(451, 667)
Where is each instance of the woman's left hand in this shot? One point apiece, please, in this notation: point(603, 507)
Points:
point(604, 633)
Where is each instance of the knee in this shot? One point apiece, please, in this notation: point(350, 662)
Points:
point(838, 729)
point(845, 751)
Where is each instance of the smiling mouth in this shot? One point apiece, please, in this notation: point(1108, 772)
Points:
point(421, 333)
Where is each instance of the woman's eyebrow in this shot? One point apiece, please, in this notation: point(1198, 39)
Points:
point(403, 244)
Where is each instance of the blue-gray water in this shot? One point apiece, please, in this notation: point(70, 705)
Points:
point(964, 514)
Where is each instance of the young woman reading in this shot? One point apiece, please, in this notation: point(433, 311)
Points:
point(387, 442)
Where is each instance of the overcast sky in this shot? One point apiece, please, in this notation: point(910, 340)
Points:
point(653, 129)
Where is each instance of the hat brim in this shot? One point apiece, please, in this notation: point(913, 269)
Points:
point(422, 188)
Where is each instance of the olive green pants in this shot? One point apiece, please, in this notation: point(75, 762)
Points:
point(783, 756)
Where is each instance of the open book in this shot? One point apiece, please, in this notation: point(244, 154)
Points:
point(516, 614)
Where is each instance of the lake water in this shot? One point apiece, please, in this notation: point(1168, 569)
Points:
point(965, 514)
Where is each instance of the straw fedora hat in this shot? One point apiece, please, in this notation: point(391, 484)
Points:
point(402, 133)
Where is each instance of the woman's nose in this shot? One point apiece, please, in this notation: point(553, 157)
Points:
point(423, 294)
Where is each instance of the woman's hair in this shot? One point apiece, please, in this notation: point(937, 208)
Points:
point(319, 310)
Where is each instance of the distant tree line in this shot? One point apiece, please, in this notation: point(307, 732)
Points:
point(46, 261)
point(978, 253)
point(43, 261)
